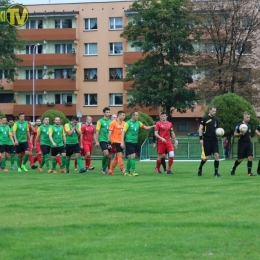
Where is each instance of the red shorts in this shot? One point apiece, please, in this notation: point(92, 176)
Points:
point(29, 146)
point(113, 149)
point(163, 148)
point(38, 148)
point(87, 148)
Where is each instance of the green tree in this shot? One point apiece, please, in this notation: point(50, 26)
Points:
point(143, 134)
point(53, 113)
point(10, 42)
point(230, 110)
point(161, 29)
point(1, 114)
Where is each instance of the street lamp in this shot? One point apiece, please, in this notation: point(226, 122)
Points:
point(33, 99)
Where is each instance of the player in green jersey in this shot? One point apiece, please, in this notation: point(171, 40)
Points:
point(11, 147)
point(20, 134)
point(102, 130)
point(43, 134)
point(5, 139)
point(130, 140)
point(73, 132)
point(58, 142)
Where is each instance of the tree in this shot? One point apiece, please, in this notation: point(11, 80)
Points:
point(1, 114)
point(143, 134)
point(230, 109)
point(161, 29)
point(53, 113)
point(228, 59)
point(10, 41)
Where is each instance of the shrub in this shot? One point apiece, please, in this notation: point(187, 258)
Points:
point(53, 113)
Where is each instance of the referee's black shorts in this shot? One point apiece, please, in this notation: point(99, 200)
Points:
point(244, 150)
point(210, 145)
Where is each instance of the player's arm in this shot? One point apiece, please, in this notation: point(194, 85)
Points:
point(50, 131)
point(37, 136)
point(10, 136)
point(126, 126)
point(69, 131)
point(257, 131)
point(237, 132)
point(64, 137)
point(201, 133)
point(94, 136)
point(173, 136)
point(14, 133)
point(98, 127)
point(147, 127)
point(156, 134)
point(28, 132)
point(78, 130)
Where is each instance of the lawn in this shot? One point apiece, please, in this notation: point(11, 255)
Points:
point(94, 216)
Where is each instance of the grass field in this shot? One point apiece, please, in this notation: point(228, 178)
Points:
point(94, 216)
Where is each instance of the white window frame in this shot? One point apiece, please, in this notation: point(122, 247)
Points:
point(61, 23)
point(89, 99)
point(113, 96)
point(36, 99)
point(31, 49)
point(35, 74)
point(87, 45)
point(88, 20)
point(61, 49)
point(37, 24)
point(113, 48)
point(89, 70)
point(113, 20)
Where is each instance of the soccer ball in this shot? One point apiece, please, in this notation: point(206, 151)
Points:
point(220, 132)
point(243, 128)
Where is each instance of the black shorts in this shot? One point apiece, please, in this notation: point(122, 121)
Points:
point(210, 145)
point(10, 149)
point(118, 148)
point(244, 150)
point(131, 148)
point(21, 147)
point(103, 146)
point(57, 150)
point(45, 149)
point(72, 148)
point(2, 148)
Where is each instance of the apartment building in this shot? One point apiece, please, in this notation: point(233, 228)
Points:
point(79, 60)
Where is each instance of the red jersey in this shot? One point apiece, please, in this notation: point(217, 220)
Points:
point(164, 130)
point(31, 131)
point(87, 132)
point(35, 134)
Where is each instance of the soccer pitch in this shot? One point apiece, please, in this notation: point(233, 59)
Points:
point(94, 216)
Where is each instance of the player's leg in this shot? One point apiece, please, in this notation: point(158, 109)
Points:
point(69, 152)
point(54, 152)
point(206, 146)
point(249, 154)
point(240, 157)
point(58, 160)
point(215, 151)
point(25, 150)
point(132, 148)
point(3, 161)
point(105, 151)
point(88, 157)
point(77, 150)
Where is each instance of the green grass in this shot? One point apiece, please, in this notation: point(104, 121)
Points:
point(94, 216)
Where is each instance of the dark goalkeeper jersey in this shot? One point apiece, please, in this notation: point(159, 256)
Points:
point(209, 126)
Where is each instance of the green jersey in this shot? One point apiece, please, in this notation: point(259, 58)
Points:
point(103, 128)
point(9, 142)
point(73, 138)
point(57, 133)
point(4, 135)
point(131, 130)
point(21, 129)
point(43, 132)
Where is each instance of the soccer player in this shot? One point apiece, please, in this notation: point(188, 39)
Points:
point(244, 149)
point(114, 137)
point(102, 129)
point(88, 135)
point(208, 139)
point(5, 138)
point(164, 132)
point(21, 135)
point(43, 135)
point(113, 117)
point(129, 140)
point(37, 146)
point(58, 142)
point(73, 131)
point(11, 147)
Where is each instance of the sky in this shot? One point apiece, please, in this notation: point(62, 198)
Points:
point(28, 2)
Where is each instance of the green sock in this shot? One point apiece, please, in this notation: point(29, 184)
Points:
point(3, 162)
point(132, 161)
point(53, 163)
point(12, 159)
point(25, 159)
point(18, 161)
point(63, 160)
point(104, 162)
point(79, 161)
point(46, 159)
point(128, 166)
point(67, 164)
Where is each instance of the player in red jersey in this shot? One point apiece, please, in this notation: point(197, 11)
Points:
point(88, 136)
point(37, 146)
point(164, 132)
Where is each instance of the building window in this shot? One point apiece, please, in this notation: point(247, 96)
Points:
point(90, 49)
point(6, 98)
point(90, 74)
point(63, 73)
point(63, 48)
point(183, 127)
point(37, 99)
point(4, 74)
point(115, 99)
point(116, 74)
point(116, 48)
point(34, 24)
point(115, 23)
point(91, 24)
point(37, 49)
point(90, 99)
point(245, 49)
point(37, 74)
point(63, 98)
point(63, 23)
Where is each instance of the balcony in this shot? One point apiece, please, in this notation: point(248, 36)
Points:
point(132, 56)
point(6, 85)
point(7, 108)
point(40, 109)
point(144, 110)
point(127, 85)
point(45, 85)
point(48, 34)
point(48, 59)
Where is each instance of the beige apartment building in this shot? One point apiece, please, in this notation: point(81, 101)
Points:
point(80, 60)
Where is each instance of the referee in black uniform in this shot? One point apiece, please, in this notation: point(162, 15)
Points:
point(208, 139)
point(244, 149)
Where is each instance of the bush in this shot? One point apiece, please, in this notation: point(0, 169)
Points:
point(53, 113)
point(1, 114)
point(143, 134)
